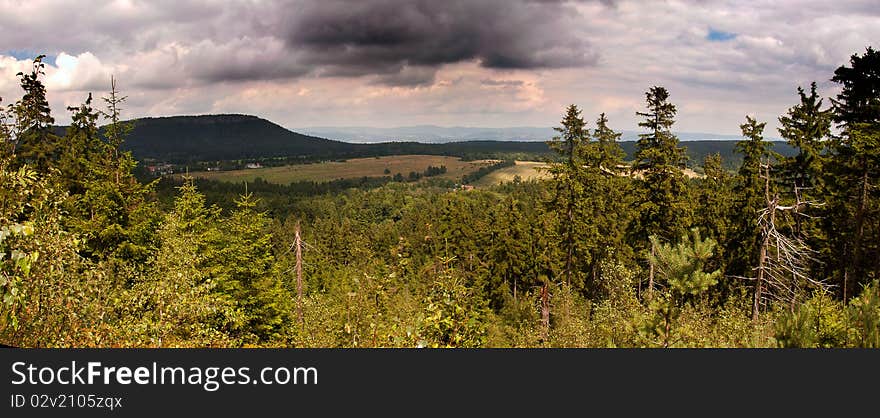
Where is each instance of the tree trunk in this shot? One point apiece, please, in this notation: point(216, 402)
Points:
point(765, 243)
point(667, 322)
point(570, 212)
point(760, 280)
point(545, 308)
point(569, 241)
point(651, 271)
point(797, 218)
point(299, 289)
point(595, 277)
point(514, 290)
point(860, 225)
point(639, 290)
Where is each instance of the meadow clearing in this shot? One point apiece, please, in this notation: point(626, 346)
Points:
point(526, 170)
point(352, 168)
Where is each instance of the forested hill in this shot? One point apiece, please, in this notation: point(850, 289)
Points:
point(223, 137)
point(186, 139)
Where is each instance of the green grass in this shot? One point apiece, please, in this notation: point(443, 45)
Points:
point(353, 168)
point(527, 170)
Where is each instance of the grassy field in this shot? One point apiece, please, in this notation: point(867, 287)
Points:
point(353, 168)
point(527, 170)
point(375, 167)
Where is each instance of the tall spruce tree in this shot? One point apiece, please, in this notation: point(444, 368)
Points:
point(567, 183)
point(77, 148)
point(508, 251)
point(244, 267)
point(179, 304)
point(851, 224)
point(805, 127)
point(714, 208)
point(663, 209)
point(610, 197)
point(659, 160)
point(750, 196)
point(6, 124)
point(610, 153)
point(115, 133)
point(110, 207)
point(33, 141)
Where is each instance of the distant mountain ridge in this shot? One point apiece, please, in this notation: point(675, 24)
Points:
point(220, 137)
point(442, 134)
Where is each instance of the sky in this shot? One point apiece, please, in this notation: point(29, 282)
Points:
point(484, 63)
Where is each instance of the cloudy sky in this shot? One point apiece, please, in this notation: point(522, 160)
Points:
point(385, 63)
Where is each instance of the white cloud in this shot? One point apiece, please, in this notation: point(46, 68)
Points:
point(83, 72)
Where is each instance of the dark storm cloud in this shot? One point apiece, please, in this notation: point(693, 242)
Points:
point(409, 76)
point(394, 42)
point(387, 36)
point(243, 60)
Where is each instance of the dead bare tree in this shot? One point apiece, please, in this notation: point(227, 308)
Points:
point(782, 273)
point(297, 248)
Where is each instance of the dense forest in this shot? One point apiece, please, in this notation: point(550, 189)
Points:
point(773, 251)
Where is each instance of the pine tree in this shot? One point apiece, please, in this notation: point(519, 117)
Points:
point(854, 175)
point(246, 272)
point(609, 198)
point(77, 148)
point(115, 133)
point(178, 302)
point(682, 268)
point(805, 127)
point(6, 125)
point(32, 139)
point(610, 155)
point(109, 205)
point(714, 207)
point(859, 99)
point(659, 159)
point(749, 196)
point(663, 209)
point(508, 251)
point(568, 187)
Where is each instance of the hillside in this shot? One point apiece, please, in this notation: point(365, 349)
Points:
point(223, 137)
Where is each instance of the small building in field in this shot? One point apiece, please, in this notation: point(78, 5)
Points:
point(253, 165)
